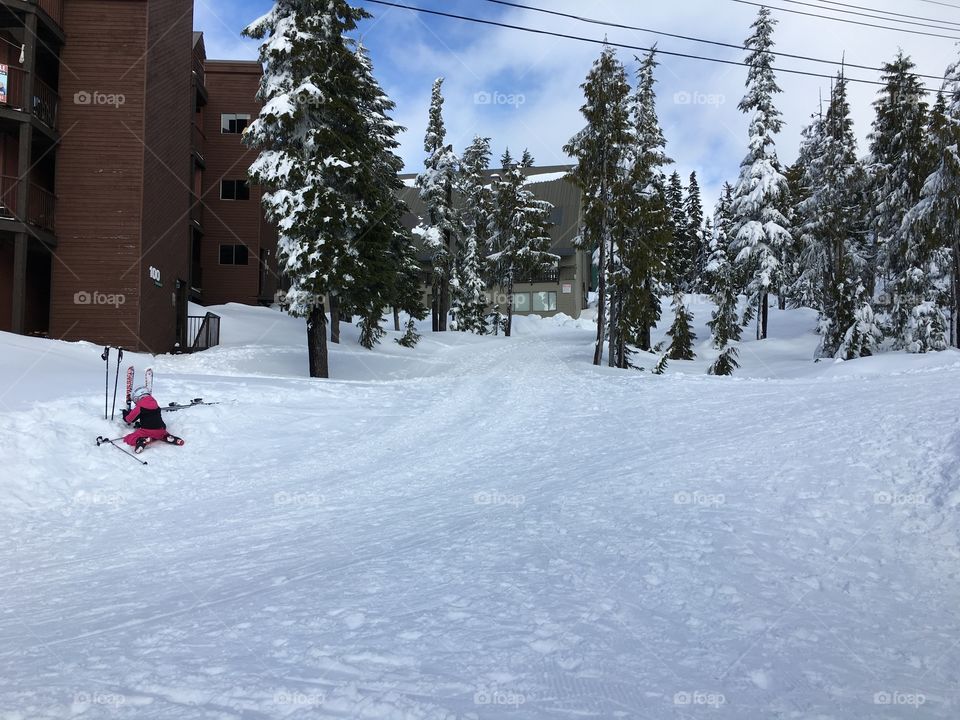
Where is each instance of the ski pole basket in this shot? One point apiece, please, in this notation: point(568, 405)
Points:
point(203, 331)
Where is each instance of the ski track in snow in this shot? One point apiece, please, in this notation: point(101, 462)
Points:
point(499, 530)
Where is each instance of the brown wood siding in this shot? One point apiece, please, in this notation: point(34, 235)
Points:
point(232, 88)
point(100, 173)
point(165, 238)
point(6, 282)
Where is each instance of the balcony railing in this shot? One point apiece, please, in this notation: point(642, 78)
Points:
point(203, 331)
point(45, 103)
point(41, 203)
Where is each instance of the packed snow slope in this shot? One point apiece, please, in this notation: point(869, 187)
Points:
point(482, 528)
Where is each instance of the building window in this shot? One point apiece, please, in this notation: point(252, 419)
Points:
point(234, 190)
point(233, 122)
point(544, 301)
point(521, 302)
point(233, 255)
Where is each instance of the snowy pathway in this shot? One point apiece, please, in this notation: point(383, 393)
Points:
point(517, 535)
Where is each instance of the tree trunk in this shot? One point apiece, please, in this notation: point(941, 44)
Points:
point(601, 302)
point(317, 342)
point(396, 318)
point(762, 317)
point(435, 305)
point(955, 292)
point(614, 332)
point(445, 299)
point(334, 319)
point(509, 307)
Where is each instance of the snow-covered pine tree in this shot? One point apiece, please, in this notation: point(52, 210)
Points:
point(698, 245)
point(681, 332)
point(760, 226)
point(647, 228)
point(678, 256)
point(385, 264)
point(937, 213)
point(599, 150)
point(436, 184)
point(312, 138)
point(834, 252)
point(724, 324)
point(905, 255)
point(519, 230)
point(470, 303)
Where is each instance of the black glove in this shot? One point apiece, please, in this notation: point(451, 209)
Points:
point(124, 414)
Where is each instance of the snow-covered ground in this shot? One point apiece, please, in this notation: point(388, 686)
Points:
point(482, 528)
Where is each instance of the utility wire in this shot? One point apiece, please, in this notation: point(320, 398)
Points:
point(938, 26)
point(593, 21)
point(594, 41)
point(888, 12)
point(845, 20)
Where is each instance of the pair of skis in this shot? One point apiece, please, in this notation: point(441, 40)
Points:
point(147, 383)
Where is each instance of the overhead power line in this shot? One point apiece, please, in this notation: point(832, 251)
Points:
point(937, 26)
point(594, 41)
point(943, 4)
point(734, 46)
point(845, 20)
point(888, 12)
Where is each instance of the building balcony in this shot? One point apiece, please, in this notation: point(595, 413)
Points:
point(41, 203)
point(43, 103)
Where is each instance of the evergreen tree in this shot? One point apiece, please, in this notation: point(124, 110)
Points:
point(600, 149)
point(696, 240)
point(385, 264)
point(834, 254)
point(470, 303)
point(681, 333)
point(646, 225)
point(678, 261)
point(314, 159)
point(436, 184)
point(760, 227)
point(905, 256)
point(519, 230)
point(937, 214)
point(724, 325)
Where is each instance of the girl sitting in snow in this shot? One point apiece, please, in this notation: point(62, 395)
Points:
point(150, 426)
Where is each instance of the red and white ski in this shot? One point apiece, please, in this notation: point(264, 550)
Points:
point(148, 380)
point(129, 386)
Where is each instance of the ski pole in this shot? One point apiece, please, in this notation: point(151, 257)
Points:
point(116, 381)
point(101, 440)
point(105, 356)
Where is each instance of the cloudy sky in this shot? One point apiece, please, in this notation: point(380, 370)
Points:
point(523, 89)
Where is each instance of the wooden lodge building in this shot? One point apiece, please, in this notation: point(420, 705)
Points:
point(123, 191)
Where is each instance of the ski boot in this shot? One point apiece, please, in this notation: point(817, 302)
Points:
point(174, 440)
point(141, 444)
